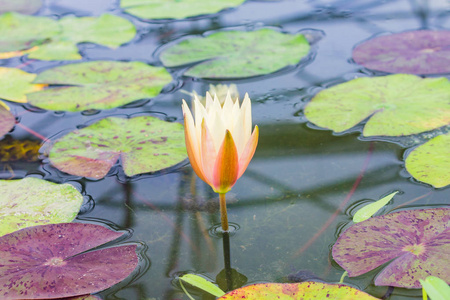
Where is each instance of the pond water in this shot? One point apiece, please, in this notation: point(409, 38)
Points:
point(300, 178)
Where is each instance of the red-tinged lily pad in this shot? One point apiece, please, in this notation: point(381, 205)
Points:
point(296, 291)
point(27, 7)
point(430, 162)
point(98, 85)
point(413, 52)
point(50, 261)
point(7, 120)
point(415, 242)
point(396, 105)
point(33, 201)
point(144, 144)
point(226, 54)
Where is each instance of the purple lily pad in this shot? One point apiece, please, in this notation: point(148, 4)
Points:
point(7, 120)
point(417, 242)
point(49, 261)
point(412, 52)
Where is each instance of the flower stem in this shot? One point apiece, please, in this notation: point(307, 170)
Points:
point(223, 212)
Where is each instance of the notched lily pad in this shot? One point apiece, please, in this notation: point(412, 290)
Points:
point(32, 201)
point(413, 52)
point(7, 120)
point(415, 242)
point(226, 54)
point(144, 144)
point(98, 85)
point(50, 261)
point(27, 7)
point(430, 162)
point(175, 9)
point(396, 105)
point(16, 84)
point(296, 291)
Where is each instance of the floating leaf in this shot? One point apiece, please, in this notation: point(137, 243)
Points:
point(7, 120)
point(436, 288)
point(203, 284)
point(16, 84)
point(20, 32)
point(46, 39)
point(98, 85)
point(27, 7)
point(430, 162)
point(413, 52)
point(417, 242)
point(396, 105)
point(32, 201)
point(296, 291)
point(175, 9)
point(369, 210)
point(226, 54)
point(107, 30)
point(50, 261)
point(144, 144)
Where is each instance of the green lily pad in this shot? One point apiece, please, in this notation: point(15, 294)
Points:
point(144, 144)
point(32, 201)
point(20, 32)
point(16, 84)
point(107, 30)
point(7, 120)
point(369, 210)
point(46, 39)
point(233, 54)
point(98, 85)
point(27, 7)
point(436, 288)
point(175, 9)
point(430, 162)
point(396, 105)
point(296, 291)
point(416, 243)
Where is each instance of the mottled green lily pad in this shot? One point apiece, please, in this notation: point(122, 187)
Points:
point(7, 119)
point(296, 291)
point(396, 105)
point(416, 243)
point(47, 39)
point(27, 7)
point(15, 84)
point(107, 30)
point(98, 85)
point(32, 201)
point(175, 9)
point(233, 54)
point(144, 144)
point(430, 162)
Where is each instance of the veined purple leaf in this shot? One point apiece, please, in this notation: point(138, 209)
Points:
point(49, 261)
point(417, 242)
point(412, 52)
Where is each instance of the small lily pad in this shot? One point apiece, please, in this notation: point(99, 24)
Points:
point(226, 54)
point(296, 291)
point(16, 84)
point(396, 105)
point(144, 144)
point(430, 162)
point(27, 7)
point(436, 288)
point(369, 210)
point(50, 261)
point(98, 85)
point(415, 242)
point(7, 120)
point(175, 9)
point(32, 201)
point(412, 52)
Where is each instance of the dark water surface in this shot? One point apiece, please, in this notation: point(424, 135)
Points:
point(299, 177)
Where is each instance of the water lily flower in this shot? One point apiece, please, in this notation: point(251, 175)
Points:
point(219, 141)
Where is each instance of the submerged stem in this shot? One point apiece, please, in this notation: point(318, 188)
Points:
point(223, 212)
